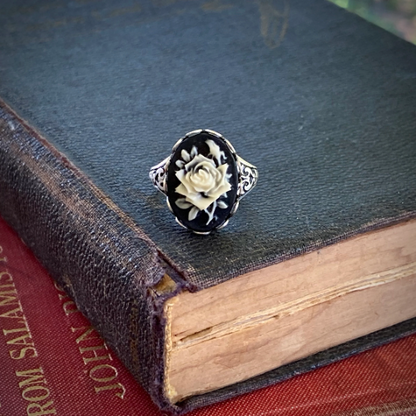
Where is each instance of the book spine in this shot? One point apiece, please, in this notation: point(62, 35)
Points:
point(49, 352)
point(105, 263)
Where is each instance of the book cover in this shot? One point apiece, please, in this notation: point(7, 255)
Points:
point(321, 101)
point(45, 369)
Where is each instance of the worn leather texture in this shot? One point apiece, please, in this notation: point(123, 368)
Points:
point(321, 101)
point(106, 265)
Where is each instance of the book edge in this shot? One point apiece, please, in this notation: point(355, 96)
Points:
point(201, 335)
point(316, 361)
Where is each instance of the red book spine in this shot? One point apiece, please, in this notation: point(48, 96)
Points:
point(51, 360)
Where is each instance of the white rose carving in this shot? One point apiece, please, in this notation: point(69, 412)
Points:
point(202, 181)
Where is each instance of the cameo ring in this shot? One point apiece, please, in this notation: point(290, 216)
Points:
point(203, 180)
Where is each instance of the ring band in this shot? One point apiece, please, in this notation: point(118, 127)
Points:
point(203, 180)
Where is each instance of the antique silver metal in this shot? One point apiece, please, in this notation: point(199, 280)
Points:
point(203, 191)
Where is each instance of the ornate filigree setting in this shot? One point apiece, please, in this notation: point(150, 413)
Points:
point(157, 175)
point(204, 179)
point(248, 177)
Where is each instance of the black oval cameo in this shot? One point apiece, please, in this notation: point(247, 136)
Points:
point(202, 180)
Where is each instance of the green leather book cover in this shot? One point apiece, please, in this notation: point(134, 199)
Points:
point(95, 93)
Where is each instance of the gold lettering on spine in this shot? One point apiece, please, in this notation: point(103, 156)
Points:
point(9, 298)
point(34, 390)
point(40, 393)
point(31, 376)
point(8, 293)
point(102, 375)
point(22, 340)
point(85, 336)
point(96, 355)
point(16, 331)
point(11, 310)
point(94, 352)
point(69, 305)
point(89, 334)
point(5, 277)
point(105, 373)
point(26, 352)
point(36, 409)
point(15, 313)
point(118, 386)
point(2, 259)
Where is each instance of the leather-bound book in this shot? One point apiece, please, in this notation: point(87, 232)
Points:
point(319, 261)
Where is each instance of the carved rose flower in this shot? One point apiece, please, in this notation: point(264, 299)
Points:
point(202, 182)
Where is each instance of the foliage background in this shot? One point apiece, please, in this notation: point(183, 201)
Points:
point(396, 16)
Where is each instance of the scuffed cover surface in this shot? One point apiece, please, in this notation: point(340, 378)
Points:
point(105, 265)
point(320, 100)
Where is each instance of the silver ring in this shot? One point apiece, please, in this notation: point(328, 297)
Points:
point(203, 180)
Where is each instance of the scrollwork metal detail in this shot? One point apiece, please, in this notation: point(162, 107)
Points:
point(248, 177)
point(157, 175)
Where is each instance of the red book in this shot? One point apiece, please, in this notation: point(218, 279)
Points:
point(51, 359)
point(53, 362)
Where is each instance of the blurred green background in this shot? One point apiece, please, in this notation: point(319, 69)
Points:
point(396, 16)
